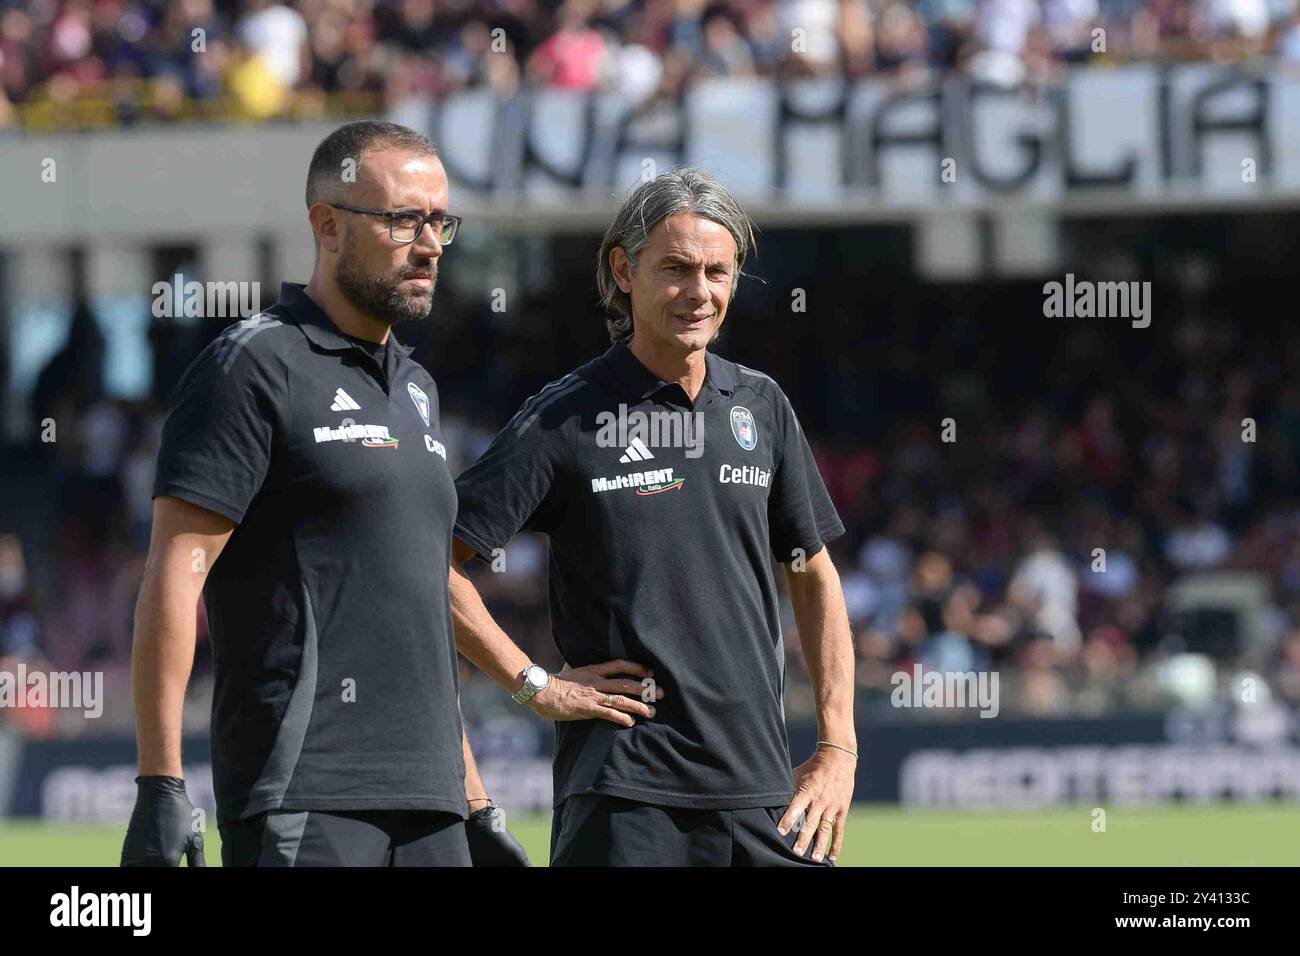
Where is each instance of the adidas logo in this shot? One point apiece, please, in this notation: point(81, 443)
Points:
point(343, 402)
point(636, 451)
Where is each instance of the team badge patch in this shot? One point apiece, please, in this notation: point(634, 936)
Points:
point(421, 400)
point(743, 427)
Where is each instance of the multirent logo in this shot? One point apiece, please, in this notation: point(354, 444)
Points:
point(351, 432)
point(637, 479)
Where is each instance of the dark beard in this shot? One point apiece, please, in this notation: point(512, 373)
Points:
point(382, 296)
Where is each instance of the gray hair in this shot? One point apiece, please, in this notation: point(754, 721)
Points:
point(684, 189)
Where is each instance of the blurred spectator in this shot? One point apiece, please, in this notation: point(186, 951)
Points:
point(1289, 43)
point(812, 26)
point(637, 68)
point(726, 53)
point(1003, 26)
point(1069, 25)
point(1238, 18)
point(1197, 543)
point(18, 635)
point(1044, 589)
point(276, 34)
point(1286, 675)
point(901, 39)
point(574, 56)
point(1042, 687)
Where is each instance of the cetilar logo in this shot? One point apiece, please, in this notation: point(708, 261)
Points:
point(134, 910)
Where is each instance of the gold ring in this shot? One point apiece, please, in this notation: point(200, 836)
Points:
point(826, 822)
point(607, 700)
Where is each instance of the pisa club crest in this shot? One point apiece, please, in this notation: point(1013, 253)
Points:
point(421, 400)
point(742, 426)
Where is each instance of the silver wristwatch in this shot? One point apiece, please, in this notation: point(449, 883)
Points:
point(536, 680)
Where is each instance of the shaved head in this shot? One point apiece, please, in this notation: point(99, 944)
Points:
point(325, 175)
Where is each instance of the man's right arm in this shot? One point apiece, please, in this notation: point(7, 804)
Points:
point(213, 458)
point(185, 541)
point(513, 486)
point(575, 695)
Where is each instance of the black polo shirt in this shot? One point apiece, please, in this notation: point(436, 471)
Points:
point(663, 555)
point(336, 683)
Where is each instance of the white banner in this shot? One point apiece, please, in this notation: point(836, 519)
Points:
point(1198, 130)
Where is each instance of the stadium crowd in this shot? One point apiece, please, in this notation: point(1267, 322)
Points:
point(974, 554)
point(160, 60)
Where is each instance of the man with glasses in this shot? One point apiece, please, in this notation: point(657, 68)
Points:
point(303, 488)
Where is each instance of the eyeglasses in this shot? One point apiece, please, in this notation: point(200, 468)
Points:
point(403, 227)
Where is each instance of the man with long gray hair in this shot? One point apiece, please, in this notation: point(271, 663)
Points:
point(664, 477)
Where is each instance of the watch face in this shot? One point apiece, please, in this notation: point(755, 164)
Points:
point(536, 676)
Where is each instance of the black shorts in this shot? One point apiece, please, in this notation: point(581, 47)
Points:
point(595, 830)
point(346, 838)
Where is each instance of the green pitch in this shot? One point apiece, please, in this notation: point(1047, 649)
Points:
point(1263, 835)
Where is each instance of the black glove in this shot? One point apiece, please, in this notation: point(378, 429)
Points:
point(490, 843)
point(161, 827)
